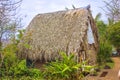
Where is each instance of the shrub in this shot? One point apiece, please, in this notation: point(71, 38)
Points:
point(104, 53)
point(22, 70)
point(65, 69)
point(11, 66)
point(114, 34)
point(8, 58)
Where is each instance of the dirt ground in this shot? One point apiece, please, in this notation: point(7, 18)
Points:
point(112, 73)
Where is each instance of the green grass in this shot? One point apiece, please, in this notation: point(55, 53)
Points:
point(111, 64)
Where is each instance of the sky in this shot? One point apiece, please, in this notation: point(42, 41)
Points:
point(30, 8)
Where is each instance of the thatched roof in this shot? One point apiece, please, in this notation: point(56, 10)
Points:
point(50, 33)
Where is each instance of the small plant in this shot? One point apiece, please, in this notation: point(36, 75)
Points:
point(87, 69)
point(65, 69)
point(22, 70)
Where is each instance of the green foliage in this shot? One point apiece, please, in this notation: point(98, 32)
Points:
point(21, 69)
point(9, 53)
point(104, 53)
point(8, 58)
point(14, 68)
point(11, 66)
point(105, 48)
point(19, 35)
point(100, 24)
point(110, 22)
point(27, 46)
point(21, 78)
point(114, 34)
point(97, 17)
point(101, 27)
point(35, 73)
point(110, 64)
point(65, 69)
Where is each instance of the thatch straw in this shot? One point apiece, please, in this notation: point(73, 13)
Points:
point(57, 31)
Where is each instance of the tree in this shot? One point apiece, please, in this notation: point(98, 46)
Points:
point(100, 24)
point(112, 9)
point(97, 17)
point(114, 34)
point(105, 47)
point(8, 22)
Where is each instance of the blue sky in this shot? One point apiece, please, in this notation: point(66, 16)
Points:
point(30, 8)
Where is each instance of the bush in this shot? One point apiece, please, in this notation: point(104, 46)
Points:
point(19, 69)
point(22, 70)
point(65, 69)
point(11, 66)
point(114, 34)
point(14, 67)
point(8, 58)
point(21, 78)
point(104, 53)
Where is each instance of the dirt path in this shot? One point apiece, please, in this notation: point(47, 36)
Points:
point(112, 73)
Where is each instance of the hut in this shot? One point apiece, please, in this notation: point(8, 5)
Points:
point(71, 31)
